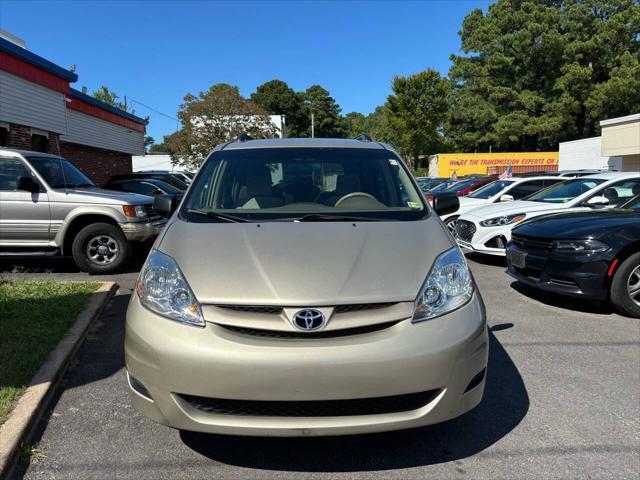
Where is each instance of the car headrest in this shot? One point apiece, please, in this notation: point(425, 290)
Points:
point(348, 184)
point(258, 187)
point(611, 194)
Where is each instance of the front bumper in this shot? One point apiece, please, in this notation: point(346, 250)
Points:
point(486, 240)
point(142, 231)
point(172, 360)
point(575, 275)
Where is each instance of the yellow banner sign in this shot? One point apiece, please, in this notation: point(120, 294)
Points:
point(466, 163)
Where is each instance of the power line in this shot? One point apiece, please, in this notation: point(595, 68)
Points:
point(157, 111)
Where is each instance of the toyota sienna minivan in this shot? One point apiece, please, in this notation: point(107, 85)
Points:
point(305, 287)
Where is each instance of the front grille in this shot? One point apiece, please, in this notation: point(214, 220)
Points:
point(312, 408)
point(358, 307)
point(531, 244)
point(148, 209)
point(276, 310)
point(271, 310)
point(563, 282)
point(465, 230)
point(345, 332)
point(531, 273)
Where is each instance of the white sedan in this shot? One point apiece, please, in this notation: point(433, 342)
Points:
point(505, 190)
point(488, 229)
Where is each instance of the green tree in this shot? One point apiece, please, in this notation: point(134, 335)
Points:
point(277, 98)
point(537, 72)
point(415, 112)
point(215, 116)
point(376, 124)
point(110, 97)
point(159, 148)
point(328, 122)
point(148, 143)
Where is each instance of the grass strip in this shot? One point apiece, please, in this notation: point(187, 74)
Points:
point(34, 316)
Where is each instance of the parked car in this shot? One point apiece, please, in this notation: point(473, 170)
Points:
point(288, 304)
point(488, 229)
point(49, 207)
point(167, 177)
point(577, 173)
point(183, 176)
point(144, 186)
point(594, 255)
point(426, 184)
point(471, 185)
point(438, 188)
point(504, 190)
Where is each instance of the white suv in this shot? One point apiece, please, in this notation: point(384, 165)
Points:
point(488, 229)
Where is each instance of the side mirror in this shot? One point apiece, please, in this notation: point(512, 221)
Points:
point(445, 203)
point(28, 184)
point(597, 201)
point(164, 205)
point(506, 198)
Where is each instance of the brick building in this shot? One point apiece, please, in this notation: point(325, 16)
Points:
point(40, 111)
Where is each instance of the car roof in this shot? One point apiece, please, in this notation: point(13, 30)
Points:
point(614, 175)
point(26, 153)
point(303, 143)
point(540, 177)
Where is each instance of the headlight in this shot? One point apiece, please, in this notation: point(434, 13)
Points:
point(163, 289)
point(447, 287)
point(507, 220)
point(581, 246)
point(134, 211)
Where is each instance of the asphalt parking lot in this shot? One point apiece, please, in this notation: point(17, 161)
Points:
point(562, 400)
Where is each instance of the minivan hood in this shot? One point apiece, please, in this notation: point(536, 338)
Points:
point(99, 195)
point(305, 263)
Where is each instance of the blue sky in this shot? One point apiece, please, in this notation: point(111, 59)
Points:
point(156, 52)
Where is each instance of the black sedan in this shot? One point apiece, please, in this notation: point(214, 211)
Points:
point(144, 186)
point(594, 255)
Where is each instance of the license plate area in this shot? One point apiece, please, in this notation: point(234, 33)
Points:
point(517, 258)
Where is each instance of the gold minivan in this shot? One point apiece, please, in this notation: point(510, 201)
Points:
point(305, 287)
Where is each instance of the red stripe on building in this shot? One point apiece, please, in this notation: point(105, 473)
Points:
point(84, 107)
point(20, 68)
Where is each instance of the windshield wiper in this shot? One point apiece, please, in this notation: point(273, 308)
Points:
point(319, 217)
point(217, 215)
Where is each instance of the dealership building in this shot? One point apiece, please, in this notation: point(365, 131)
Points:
point(39, 110)
point(617, 148)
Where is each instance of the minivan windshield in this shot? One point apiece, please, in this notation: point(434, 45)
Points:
point(308, 184)
point(59, 173)
point(565, 191)
point(491, 189)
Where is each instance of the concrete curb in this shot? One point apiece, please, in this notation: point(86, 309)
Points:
point(27, 412)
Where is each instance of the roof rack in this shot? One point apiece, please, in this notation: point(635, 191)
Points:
point(364, 137)
point(243, 137)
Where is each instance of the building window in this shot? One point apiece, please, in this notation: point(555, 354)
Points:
point(39, 140)
point(4, 134)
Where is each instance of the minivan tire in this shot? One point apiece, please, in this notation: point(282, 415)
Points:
point(100, 248)
point(620, 297)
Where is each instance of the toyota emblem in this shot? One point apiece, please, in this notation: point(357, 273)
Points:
point(309, 319)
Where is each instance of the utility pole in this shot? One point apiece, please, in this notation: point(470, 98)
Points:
point(125, 103)
point(313, 129)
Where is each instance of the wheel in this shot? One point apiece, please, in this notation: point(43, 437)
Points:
point(100, 248)
point(450, 223)
point(625, 287)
